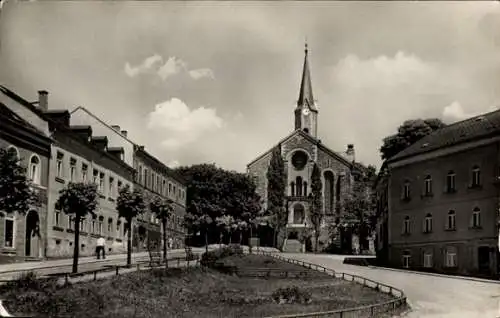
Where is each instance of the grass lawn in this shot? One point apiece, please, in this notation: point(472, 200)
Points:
point(181, 293)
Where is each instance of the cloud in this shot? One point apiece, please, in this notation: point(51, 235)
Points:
point(180, 125)
point(172, 66)
point(201, 73)
point(147, 66)
point(455, 112)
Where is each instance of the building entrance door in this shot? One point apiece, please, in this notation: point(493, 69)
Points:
point(483, 254)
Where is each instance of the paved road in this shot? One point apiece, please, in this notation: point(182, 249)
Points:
point(429, 296)
point(65, 265)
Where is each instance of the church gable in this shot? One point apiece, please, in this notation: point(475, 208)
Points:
point(298, 140)
point(328, 161)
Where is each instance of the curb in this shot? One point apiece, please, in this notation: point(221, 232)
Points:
point(480, 280)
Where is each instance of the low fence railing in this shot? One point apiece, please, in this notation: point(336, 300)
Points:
point(362, 311)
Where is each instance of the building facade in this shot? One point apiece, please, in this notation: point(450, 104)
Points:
point(155, 179)
point(24, 131)
point(78, 156)
point(444, 200)
point(300, 150)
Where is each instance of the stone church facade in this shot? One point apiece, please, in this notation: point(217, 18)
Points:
point(300, 150)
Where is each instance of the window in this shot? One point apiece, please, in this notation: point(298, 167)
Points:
point(71, 222)
point(93, 229)
point(175, 191)
point(298, 186)
point(35, 169)
point(59, 164)
point(406, 190)
point(428, 223)
point(406, 225)
point(305, 188)
point(57, 217)
point(85, 169)
point(158, 183)
point(111, 185)
point(119, 185)
point(95, 176)
point(163, 187)
point(145, 174)
point(101, 181)
point(140, 174)
point(292, 188)
point(9, 231)
point(82, 225)
point(450, 182)
point(406, 259)
point(169, 188)
point(428, 185)
point(427, 259)
point(451, 258)
point(476, 176)
point(110, 225)
point(72, 169)
point(100, 224)
point(476, 218)
point(13, 152)
point(450, 222)
point(118, 227)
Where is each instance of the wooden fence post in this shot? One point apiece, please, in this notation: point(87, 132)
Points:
point(95, 275)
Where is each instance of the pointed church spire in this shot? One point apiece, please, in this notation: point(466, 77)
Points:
point(306, 95)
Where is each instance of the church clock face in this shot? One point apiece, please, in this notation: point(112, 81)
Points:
point(299, 160)
point(306, 112)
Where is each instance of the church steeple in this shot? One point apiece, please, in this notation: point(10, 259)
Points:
point(306, 94)
point(306, 113)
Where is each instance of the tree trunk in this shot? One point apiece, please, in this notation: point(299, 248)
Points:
point(129, 242)
point(206, 241)
point(164, 224)
point(241, 236)
point(76, 248)
point(316, 241)
point(230, 237)
point(250, 240)
point(275, 238)
point(220, 240)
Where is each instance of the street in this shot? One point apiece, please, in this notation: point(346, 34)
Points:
point(429, 296)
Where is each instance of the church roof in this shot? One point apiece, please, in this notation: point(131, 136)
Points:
point(312, 140)
point(478, 127)
point(306, 97)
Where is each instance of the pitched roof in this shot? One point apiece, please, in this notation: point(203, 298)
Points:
point(306, 97)
point(478, 127)
point(311, 139)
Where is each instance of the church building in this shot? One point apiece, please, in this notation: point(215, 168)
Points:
point(300, 150)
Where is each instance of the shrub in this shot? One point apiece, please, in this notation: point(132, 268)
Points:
point(291, 295)
point(209, 259)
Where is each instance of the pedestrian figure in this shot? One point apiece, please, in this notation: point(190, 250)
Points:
point(170, 242)
point(100, 246)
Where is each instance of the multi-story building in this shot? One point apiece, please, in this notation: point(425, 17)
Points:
point(24, 130)
point(155, 179)
point(444, 199)
point(300, 150)
point(146, 226)
point(80, 157)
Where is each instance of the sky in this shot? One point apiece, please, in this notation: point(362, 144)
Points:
point(218, 81)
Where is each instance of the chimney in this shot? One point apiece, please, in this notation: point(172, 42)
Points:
point(349, 154)
point(43, 100)
point(116, 127)
point(124, 133)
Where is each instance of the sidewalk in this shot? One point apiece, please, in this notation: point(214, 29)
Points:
point(69, 261)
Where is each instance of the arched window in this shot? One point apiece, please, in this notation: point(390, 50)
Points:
point(329, 191)
point(305, 188)
point(476, 176)
point(298, 185)
point(298, 214)
point(13, 150)
point(450, 222)
point(34, 169)
point(428, 223)
point(476, 217)
point(450, 182)
point(338, 188)
point(292, 188)
point(428, 185)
